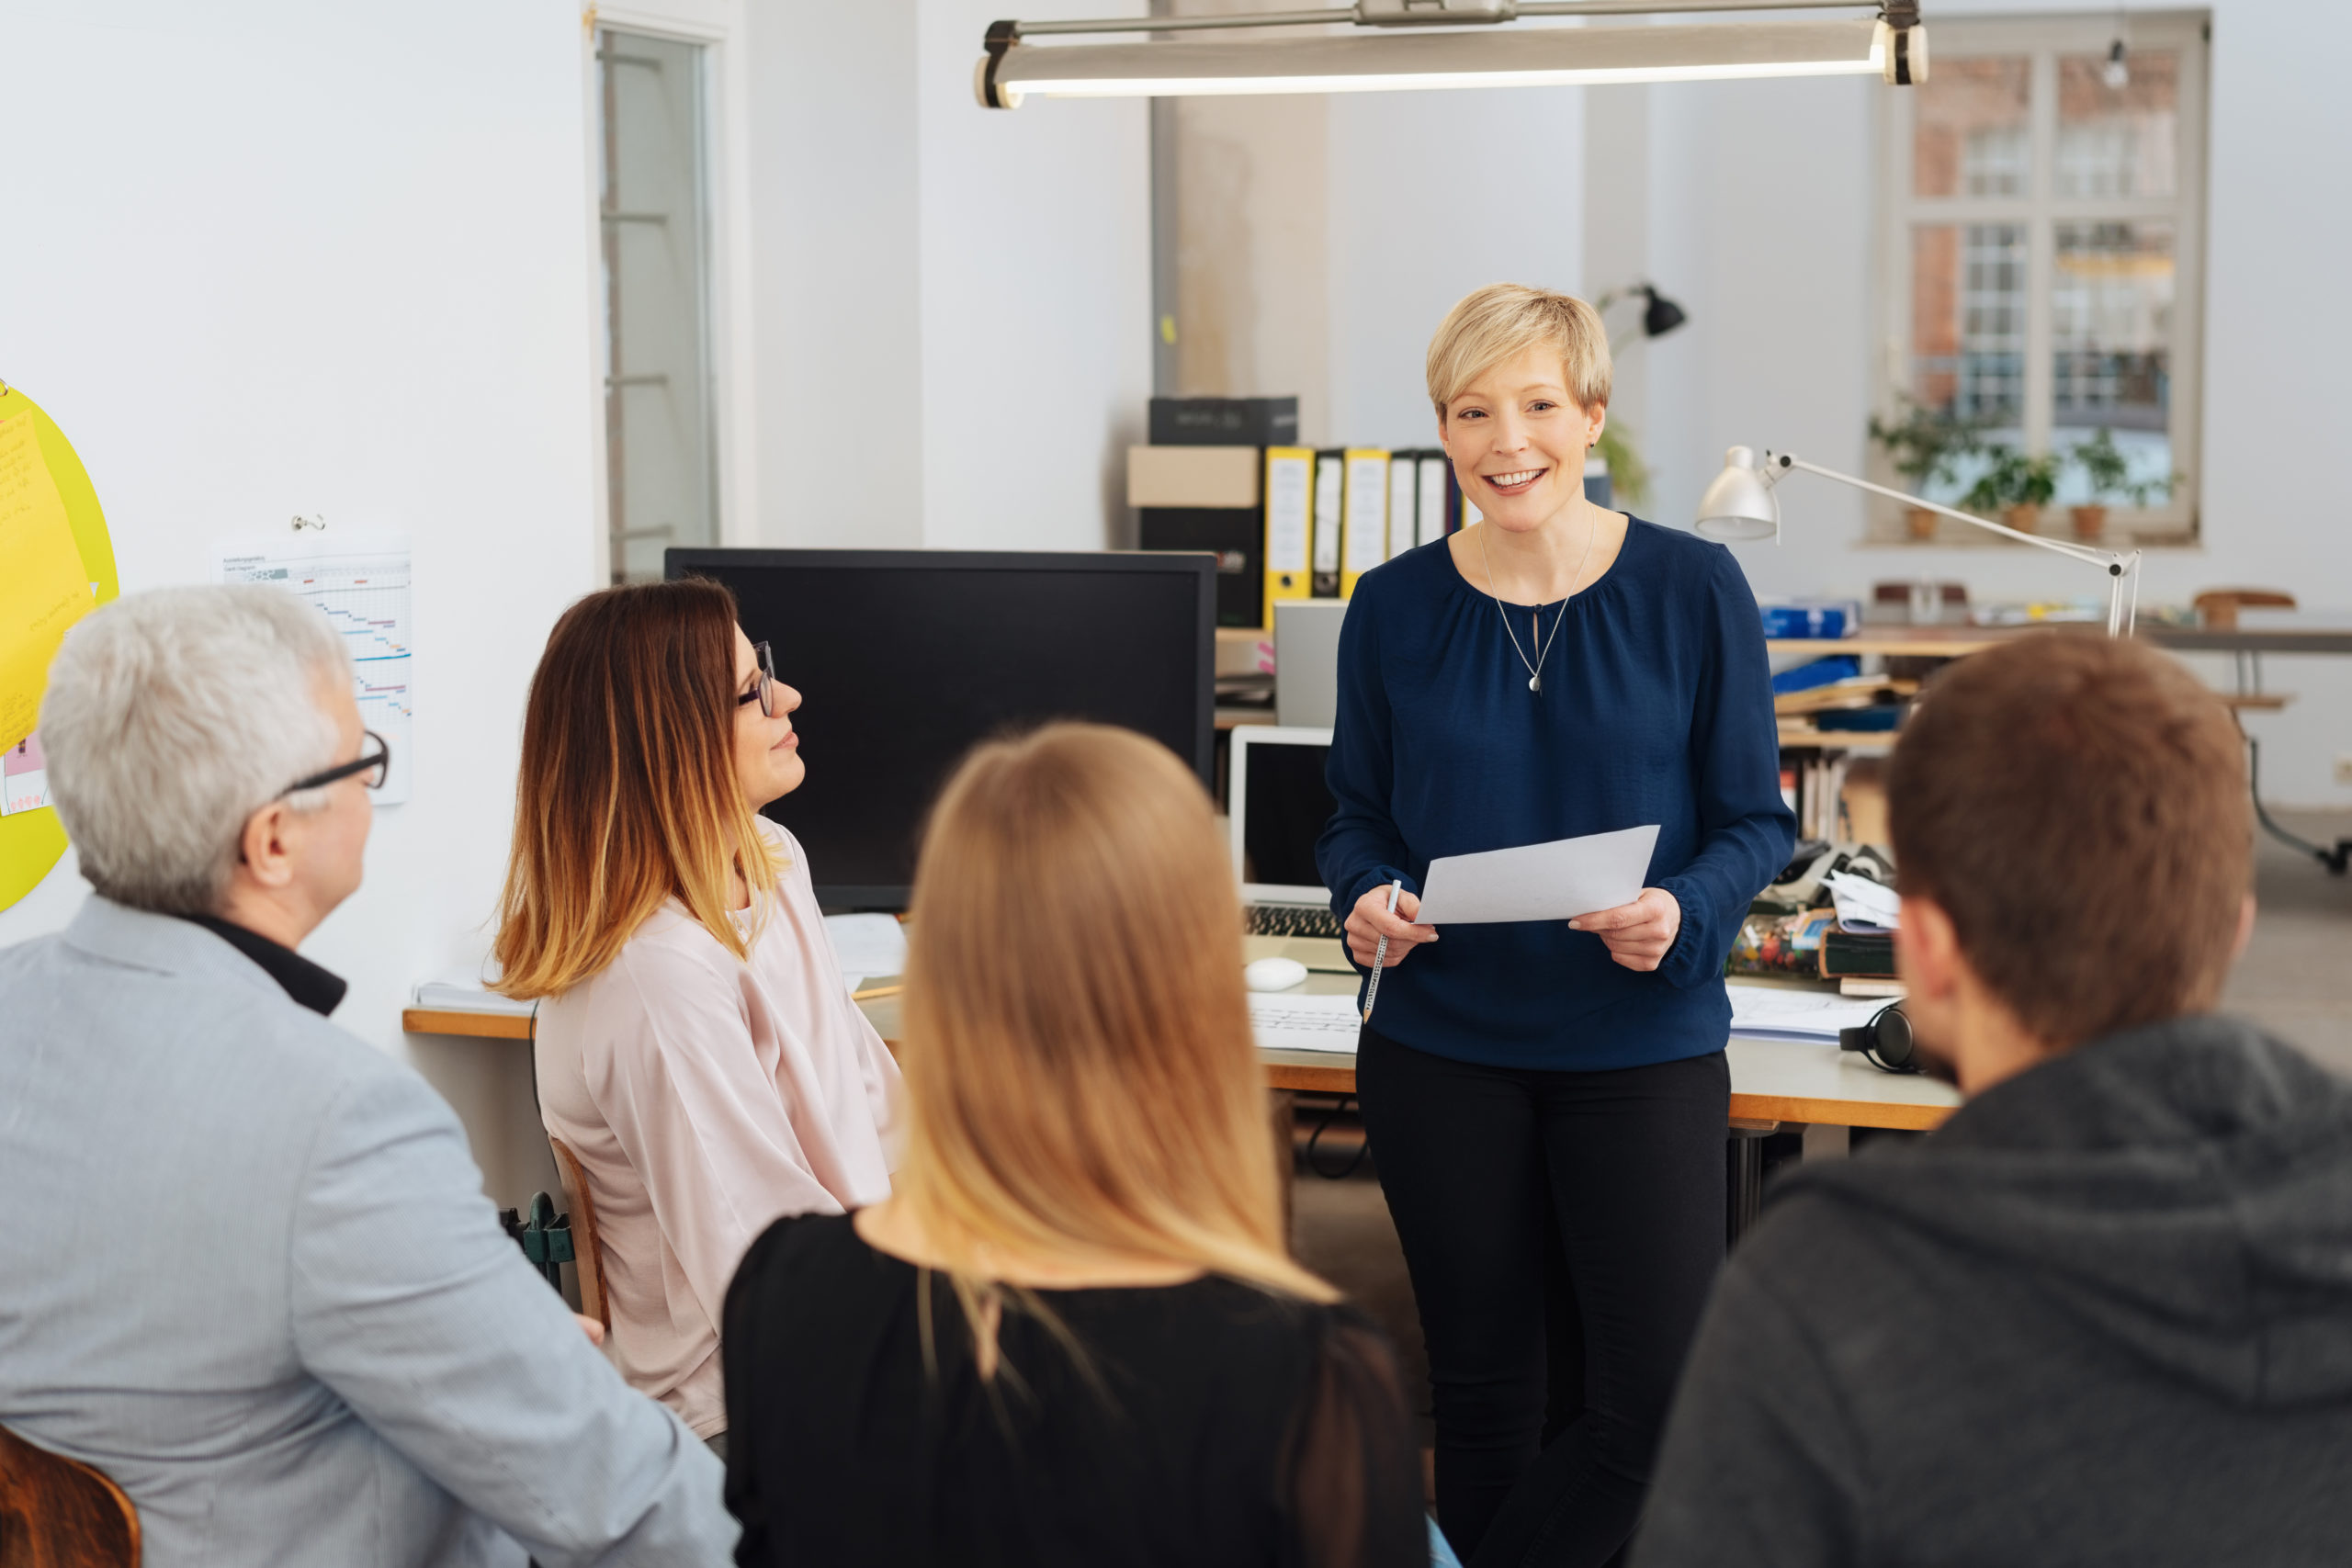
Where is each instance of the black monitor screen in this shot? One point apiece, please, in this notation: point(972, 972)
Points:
point(1288, 807)
point(904, 659)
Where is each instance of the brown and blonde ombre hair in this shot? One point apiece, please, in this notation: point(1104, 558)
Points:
point(627, 795)
point(1078, 1065)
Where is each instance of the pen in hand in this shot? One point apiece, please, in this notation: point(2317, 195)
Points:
point(1380, 954)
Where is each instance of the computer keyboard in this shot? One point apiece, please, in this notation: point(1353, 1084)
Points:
point(1291, 920)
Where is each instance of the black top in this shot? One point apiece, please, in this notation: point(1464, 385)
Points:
point(1210, 1424)
point(317, 989)
point(2103, 1315)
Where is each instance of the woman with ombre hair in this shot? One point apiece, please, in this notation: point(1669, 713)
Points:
point(696, 1044)
point(1072, 1335)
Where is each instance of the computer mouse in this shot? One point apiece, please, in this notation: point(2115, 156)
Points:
point(1273, 974)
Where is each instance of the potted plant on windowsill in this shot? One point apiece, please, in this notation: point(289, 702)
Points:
point(1924, 446)
point(2110, 475)
point(2016, 486)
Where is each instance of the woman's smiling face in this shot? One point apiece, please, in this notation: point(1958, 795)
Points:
point(1518, 440)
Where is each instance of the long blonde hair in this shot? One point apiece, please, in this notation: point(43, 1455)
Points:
point(1077, 1055)
point(627, 795)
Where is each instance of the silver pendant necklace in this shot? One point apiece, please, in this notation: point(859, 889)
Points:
point(1534, 625)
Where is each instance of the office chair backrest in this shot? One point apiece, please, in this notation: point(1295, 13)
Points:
point(60, 1513)
point(588, 1257)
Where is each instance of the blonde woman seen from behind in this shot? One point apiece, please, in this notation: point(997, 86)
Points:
point(1072, 1335)
point(697, 1047)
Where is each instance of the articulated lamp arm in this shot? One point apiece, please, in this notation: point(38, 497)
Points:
point(1740, 504)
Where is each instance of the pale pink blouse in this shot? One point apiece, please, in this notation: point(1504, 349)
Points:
point(707, 1097)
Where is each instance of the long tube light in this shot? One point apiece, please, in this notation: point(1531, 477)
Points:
point(1497, 57)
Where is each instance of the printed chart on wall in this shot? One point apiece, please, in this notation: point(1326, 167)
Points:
point(360, 583)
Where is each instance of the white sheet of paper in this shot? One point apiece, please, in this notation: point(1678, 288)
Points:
point(868, 945)
point(1538, 882)
point(1285, 1023)
point(1797, 1015)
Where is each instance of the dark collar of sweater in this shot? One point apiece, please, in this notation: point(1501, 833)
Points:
point(318, 989)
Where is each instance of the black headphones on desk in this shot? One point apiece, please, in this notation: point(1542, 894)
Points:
point(1884, 1041)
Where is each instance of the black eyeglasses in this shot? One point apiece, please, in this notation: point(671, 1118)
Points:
point(763, 692)
point(376, 768)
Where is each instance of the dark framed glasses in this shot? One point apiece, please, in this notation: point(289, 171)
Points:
point(764, 687)
point(373, 768)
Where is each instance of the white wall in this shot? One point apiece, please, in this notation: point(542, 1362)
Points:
point(1433, 195)
point(1036, 301)
point(1760, 220)
point(838, 349)
point(280, 258)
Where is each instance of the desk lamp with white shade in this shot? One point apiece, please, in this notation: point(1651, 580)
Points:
point(1741, 505)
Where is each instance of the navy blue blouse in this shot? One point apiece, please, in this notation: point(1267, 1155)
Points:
point(1657, 708)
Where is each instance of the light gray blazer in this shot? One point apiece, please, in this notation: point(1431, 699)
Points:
point(247, 1269)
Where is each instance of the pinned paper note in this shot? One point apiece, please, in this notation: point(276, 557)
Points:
point(43, 589)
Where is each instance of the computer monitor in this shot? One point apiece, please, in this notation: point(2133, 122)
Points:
point(1278, 805)
point(906, 658)
point(1306, 662)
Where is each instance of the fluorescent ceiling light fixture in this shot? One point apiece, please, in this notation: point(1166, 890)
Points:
point(1485, 57)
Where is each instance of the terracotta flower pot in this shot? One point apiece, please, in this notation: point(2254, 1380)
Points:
point(2090, 523)
point(1921, 522)
point(2026, 518)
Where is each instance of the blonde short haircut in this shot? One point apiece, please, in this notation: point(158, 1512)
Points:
point(1503, 321)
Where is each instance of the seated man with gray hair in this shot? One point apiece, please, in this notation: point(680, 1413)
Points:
point(246, 1267)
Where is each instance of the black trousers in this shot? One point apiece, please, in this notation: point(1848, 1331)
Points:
point(1618, 1176)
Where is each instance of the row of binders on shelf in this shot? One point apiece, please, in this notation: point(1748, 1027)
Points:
point(1292, 522)
point(1286, 521)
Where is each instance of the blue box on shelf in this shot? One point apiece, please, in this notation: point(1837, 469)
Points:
point(1818, 673)
point(1826, 619)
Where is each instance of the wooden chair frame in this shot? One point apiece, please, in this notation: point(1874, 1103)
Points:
point(587, 1254)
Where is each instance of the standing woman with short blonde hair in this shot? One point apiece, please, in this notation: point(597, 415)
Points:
point(1073, 1336)
point(697, 1048)
point(1553, 671)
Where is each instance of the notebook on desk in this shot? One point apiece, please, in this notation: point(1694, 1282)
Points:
point(1279, 806)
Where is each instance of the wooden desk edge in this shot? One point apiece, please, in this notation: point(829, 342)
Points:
point(1339, 1079)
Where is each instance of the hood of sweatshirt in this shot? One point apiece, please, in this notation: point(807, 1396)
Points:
point(2183, 1189)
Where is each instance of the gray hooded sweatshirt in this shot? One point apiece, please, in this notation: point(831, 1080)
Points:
point(2103, 1315)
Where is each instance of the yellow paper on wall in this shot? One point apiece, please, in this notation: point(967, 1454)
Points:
point(43, 589)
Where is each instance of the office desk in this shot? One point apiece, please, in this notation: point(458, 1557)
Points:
point(1771, 1080)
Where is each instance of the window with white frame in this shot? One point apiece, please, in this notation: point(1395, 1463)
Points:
point(660, 441)
point(2041, 261)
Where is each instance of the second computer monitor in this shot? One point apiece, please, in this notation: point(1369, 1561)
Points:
point(1278, 805)
point(1306, 662)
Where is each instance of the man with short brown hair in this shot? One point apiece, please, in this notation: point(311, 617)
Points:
point(2105, 1313)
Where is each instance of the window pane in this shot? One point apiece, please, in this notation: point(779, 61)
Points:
point(660, 469)
point(1968, 319)
point(1972, 136)
point(2111, 301)
point(2117, 140)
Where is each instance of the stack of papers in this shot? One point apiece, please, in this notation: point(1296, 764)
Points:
point(466, 996)
point(1285, 1023)
point(868, 946)
point(1777, 1014)
point(1863, 904)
